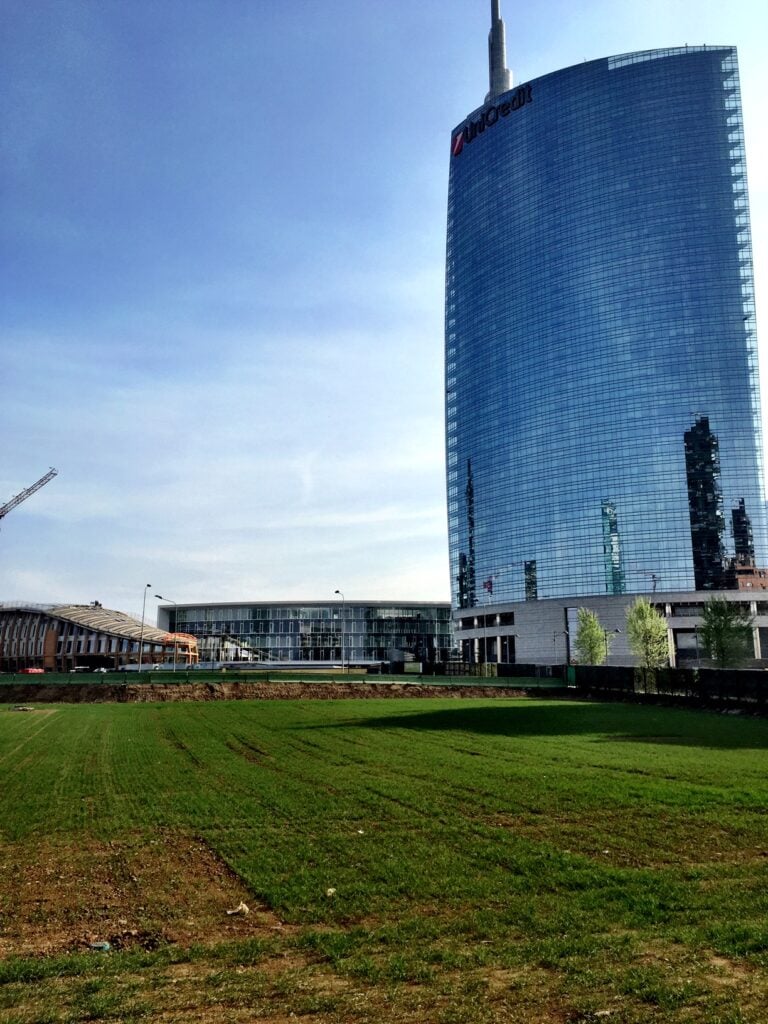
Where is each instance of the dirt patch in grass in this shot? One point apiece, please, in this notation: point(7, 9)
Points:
point(60, 895)
point(728, 972)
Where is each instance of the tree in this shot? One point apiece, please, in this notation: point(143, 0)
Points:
point(591, 639)
point(647, 634)
point(726, 632)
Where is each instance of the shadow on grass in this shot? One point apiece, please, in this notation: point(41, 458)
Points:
point(607, 723)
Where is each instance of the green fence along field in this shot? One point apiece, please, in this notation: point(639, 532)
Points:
point(450, 860)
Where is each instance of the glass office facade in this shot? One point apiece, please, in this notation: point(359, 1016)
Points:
point(602, 405)
point(368, 632)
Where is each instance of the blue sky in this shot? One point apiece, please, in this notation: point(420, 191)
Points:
point(222, 235)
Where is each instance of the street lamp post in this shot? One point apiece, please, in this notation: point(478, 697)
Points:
point(343, 607)
point(486, 616)
point(175, 627)
point(209, 634)
point(605, 637)
point(488, 587)
point(141, 635)
point(564, 634)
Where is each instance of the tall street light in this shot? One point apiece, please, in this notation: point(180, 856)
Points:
point(175, 626)
point(566, 637)
point(606, 634)
point(141, 636)
point(343, 604)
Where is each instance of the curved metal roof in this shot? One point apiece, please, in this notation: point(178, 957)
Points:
point(103, 620)
point(107, 620)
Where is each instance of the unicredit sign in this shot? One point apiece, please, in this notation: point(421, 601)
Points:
point(489, 117)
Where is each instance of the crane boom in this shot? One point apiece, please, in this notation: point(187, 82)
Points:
point(23, 495)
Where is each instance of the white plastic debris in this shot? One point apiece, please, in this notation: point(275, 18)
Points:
point(330, 892)
point(241, 908)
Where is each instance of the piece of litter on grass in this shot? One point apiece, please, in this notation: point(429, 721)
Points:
point(241, 908)
point(606, 851)
point(360, 832)
point(99, 947)
point(330, 892)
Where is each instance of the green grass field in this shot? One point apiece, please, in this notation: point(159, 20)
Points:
point(444, 860)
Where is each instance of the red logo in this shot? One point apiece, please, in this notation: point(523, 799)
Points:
point(457, 144)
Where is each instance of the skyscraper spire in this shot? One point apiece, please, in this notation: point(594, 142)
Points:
point(500, 76)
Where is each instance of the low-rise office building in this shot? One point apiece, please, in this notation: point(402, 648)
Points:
point(348, 632)
point(544, 632)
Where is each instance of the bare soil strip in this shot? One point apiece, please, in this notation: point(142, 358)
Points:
point(85, 693)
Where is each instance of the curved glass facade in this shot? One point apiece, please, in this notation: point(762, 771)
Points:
point(602, 405)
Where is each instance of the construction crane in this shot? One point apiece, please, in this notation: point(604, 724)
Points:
point(23, 495)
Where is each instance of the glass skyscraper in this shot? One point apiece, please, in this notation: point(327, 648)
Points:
point(602, 402)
